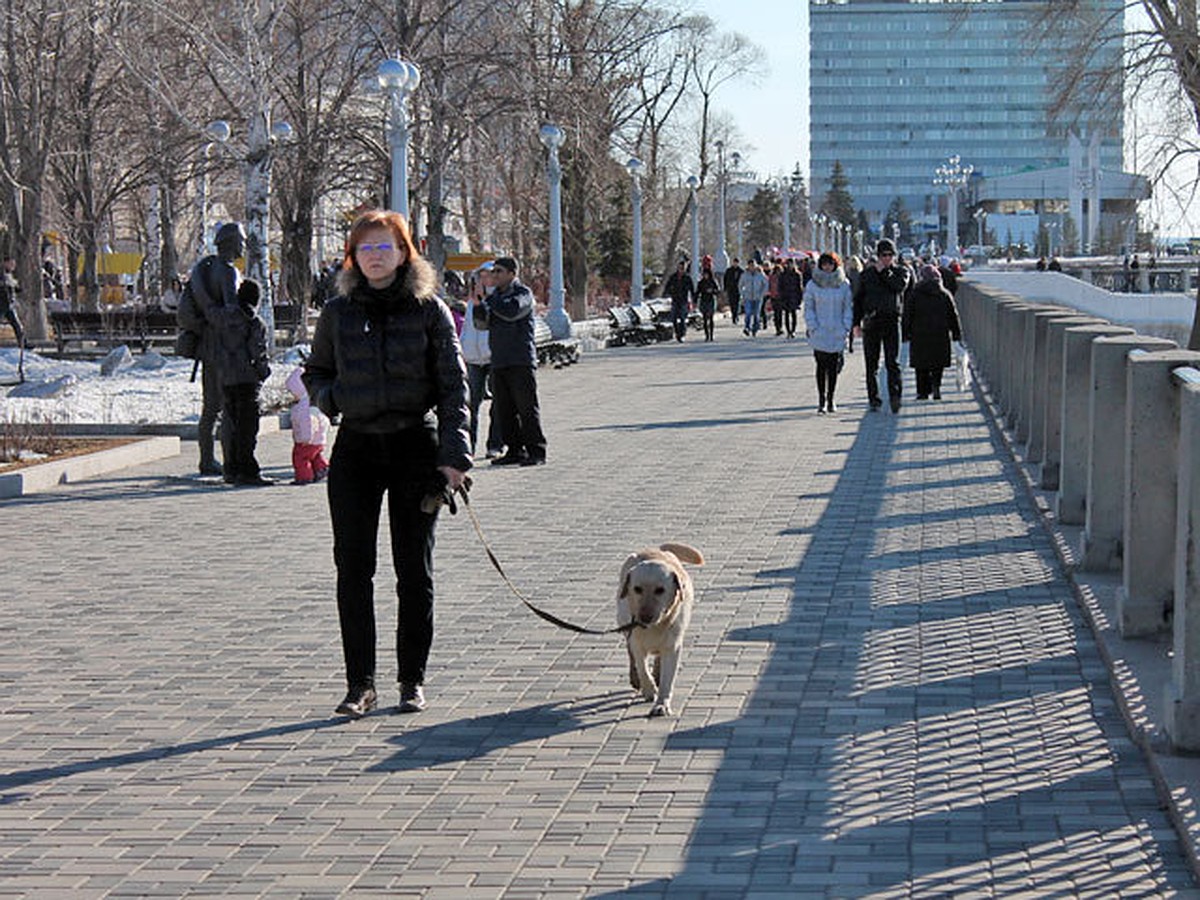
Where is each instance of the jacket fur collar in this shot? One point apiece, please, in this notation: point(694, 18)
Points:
point(418, 280)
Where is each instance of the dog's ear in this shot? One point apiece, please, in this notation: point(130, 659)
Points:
point(675, 581)
point(624, 592)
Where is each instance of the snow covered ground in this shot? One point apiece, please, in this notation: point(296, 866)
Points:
point(138, 393)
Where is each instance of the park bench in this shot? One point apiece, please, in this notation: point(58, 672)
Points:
point(288, 319)
point(626, 328)
point(662, 313)
point(556, 352)
point(653, 321)
point(111, 327)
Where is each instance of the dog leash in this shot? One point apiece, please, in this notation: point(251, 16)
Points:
point(448, 500)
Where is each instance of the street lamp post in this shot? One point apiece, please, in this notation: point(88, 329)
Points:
point(720, 258)
point(693, 183)
point(785, 193)
point(398, 78)
point(822, 235)
point(217, 132)
point(560, 324)
point(636, 167)
point(952, 175)
point(980, 216)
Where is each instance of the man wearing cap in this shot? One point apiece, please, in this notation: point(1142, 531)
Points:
point(214, 286)
point(877, 304)
point(507, 314)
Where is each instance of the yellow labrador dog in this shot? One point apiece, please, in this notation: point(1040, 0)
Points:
point(656, 594)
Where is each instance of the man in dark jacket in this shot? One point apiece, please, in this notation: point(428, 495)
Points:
point(507, 314)
point(682, 290)
point(213, 285)
point(733, 291)
point(877, 305)
point(791, 295)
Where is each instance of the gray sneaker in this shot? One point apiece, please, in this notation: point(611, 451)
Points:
point(359, 701)
point(412, 698)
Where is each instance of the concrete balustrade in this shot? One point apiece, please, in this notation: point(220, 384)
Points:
point(1076, 416)
point(1113, 417)
point(1035, 444)
point(1052, 416)
point(1183, 693)
point(1101, 546)
point(1145, 598)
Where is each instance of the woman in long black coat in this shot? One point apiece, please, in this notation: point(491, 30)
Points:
point(929, 322)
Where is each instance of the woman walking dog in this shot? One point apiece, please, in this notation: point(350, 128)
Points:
point(386, 357)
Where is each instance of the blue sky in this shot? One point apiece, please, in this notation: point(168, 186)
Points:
point(772, 113)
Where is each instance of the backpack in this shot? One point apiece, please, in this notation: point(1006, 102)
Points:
point(187, 314)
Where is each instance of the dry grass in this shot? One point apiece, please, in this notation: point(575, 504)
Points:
point(27, 444)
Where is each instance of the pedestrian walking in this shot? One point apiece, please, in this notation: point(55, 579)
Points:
point(733, 295)
point(9, 288)
point(753, 288)
point(791, 295)
point(929, 323)
point(877, 305)
point(828, 318)
point(507, 315)
point(386, 358)
point(853, 269)
point(682, 291)
point(707, 291)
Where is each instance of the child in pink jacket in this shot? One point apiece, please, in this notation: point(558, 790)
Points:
point(309, 427)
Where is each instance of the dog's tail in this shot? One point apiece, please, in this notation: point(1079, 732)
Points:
point(684, 552)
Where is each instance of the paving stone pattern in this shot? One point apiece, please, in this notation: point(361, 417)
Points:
point(887, 689)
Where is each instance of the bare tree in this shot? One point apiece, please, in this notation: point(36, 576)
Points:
point(31, 67)
point(1098, 57)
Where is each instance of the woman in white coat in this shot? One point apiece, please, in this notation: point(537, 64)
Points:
point(828, 316)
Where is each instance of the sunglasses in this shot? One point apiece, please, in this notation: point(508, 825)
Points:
point(370, 248)
point(889, 255)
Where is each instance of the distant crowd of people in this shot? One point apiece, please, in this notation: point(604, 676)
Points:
point(883, 301)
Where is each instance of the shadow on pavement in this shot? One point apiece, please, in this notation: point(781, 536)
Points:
point(908, 736)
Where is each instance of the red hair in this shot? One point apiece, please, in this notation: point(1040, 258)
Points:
point(379, 218)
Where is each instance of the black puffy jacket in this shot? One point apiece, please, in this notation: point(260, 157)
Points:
point(388, 359)
point(880, 295)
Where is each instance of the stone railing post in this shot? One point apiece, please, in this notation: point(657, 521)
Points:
point(1052, 422)
point(1071, 502)
point(1183, 691)
point(1102, 545)
point(1145, 598)
point(1037, 381)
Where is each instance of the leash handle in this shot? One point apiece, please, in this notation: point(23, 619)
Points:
point(541, 613)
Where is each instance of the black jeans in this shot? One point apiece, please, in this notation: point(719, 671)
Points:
point(886, 335)
point(828, 366)
point(516, 403)
point(363, 467)
point(239, 431)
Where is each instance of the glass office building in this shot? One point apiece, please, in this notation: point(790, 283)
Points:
point(897, 86)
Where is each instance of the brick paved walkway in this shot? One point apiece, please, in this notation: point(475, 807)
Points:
point(887, 689)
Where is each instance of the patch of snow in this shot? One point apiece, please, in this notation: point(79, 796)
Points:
point(134, 395)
